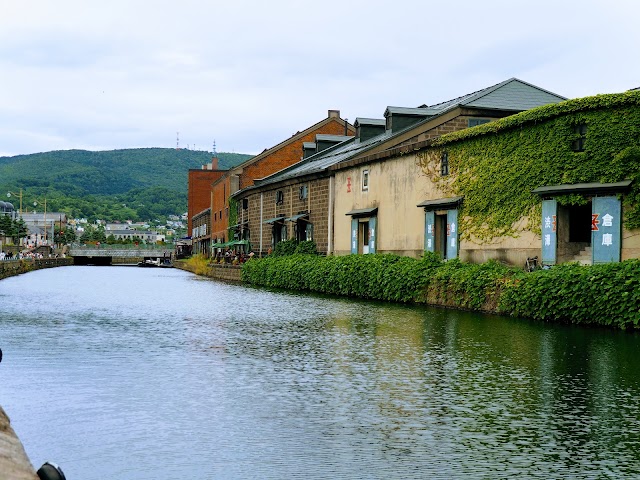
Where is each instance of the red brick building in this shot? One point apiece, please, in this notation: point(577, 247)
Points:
point(199, 190)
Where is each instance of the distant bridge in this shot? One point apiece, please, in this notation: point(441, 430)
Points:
point(108, 254)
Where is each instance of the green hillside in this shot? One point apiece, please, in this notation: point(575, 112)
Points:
point(129, 184)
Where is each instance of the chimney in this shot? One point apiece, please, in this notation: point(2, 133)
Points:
point(334, 113)
point(214, 163)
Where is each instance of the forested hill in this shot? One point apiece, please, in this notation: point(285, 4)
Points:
point(108, 172)
point(123, 184)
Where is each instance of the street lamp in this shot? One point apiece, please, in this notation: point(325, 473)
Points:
point(35, 203)
point(19, 195)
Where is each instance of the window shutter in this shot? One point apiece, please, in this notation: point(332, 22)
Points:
point(354, 235)
point(372, 235)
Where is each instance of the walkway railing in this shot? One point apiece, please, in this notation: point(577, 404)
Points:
point(124, 251)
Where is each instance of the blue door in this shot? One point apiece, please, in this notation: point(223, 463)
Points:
point(549, 233)
point(606, 223)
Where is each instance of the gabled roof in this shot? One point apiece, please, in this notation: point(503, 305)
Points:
point(512, 94)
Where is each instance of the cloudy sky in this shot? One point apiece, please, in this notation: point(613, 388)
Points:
point(102, 75)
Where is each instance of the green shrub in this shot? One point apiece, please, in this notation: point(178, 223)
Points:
point(286, 247)
point(307, 247)
point(607, 294)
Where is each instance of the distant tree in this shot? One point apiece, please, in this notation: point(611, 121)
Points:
point(18, 230)
point(6, 225)
point(65, 236)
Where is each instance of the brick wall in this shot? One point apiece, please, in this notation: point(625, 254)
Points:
point(219, 213)
point(199, 192)
point(316, 205)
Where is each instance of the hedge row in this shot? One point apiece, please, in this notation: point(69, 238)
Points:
point(601, 294)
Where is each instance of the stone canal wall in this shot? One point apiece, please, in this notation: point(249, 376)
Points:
point(227, 273)
point(9, 268)
point(14, 463)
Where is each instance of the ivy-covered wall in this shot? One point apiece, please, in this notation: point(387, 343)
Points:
point(497, 165)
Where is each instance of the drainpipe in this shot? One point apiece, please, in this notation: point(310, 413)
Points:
point(330, 217)
point(261, 219)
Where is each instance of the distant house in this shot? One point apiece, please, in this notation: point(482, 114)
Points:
point(41, 226)
point(136, 235)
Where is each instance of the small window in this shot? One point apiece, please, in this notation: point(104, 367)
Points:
point(279, 197)
point(581, 133)
point(245, 203)
point(303, 192)
point(474, 122)
point(365, 180)
point(444, 164)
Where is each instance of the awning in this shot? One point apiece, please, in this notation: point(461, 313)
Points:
point(237, 225)
point(274, 220)
point(594, 188)
point(295, 218)
point(441, 203)
point(363, 212)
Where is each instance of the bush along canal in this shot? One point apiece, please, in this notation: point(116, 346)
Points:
point(604, 294)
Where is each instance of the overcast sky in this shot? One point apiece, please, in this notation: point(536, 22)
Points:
point(103, 75)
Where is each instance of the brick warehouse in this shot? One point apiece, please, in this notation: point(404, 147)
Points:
point(310, 200)
point(272, 160)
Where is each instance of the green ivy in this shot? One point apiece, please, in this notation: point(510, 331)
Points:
point(496, 166)
point(233, 217)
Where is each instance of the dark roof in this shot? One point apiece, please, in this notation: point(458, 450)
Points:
point(369, 121)
point(324, 159)
point(363, 212)
point(440, 203)
point(583, 188)
point(417, 112)
point(512, 94)
point(326, 137)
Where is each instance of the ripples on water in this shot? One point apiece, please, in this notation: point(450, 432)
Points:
point(126, 373)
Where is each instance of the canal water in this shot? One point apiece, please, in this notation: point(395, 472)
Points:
point(129, 373)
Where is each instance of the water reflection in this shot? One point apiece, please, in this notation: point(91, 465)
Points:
point(129, 369)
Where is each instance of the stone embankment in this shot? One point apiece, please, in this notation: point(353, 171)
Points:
point(14, 463)
point(9, 268)
point(224, 272)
